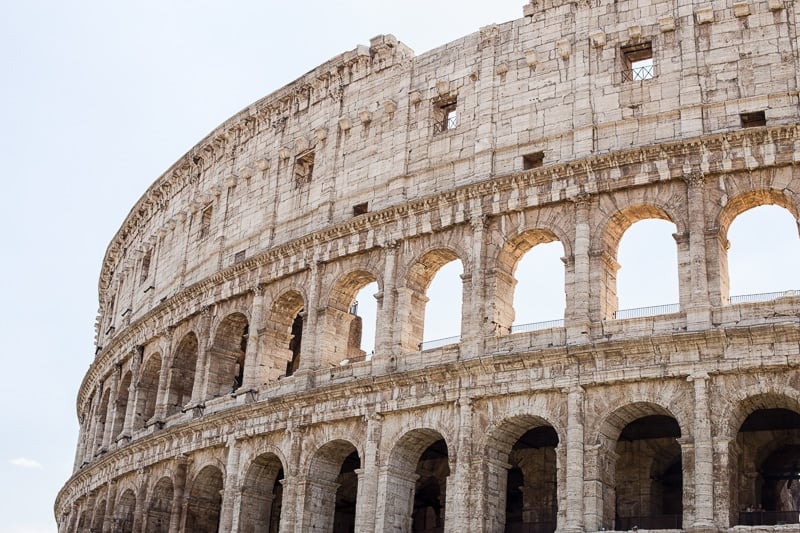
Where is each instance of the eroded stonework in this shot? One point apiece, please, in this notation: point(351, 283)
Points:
point(229, 392)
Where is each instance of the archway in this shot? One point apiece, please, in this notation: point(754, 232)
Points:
point(123, 514)
point(342, 338)
point(417, 476)
point(262, 495)
point(649, 474)
point(429, 306)
point(182, 374)
point(766, 487)
point(205, 501)
point(227, 356)
point(284, 335)
point(333, 488)
point(147, 391)
point(159, 509)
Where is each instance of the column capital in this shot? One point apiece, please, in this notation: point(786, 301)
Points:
point(693, 178)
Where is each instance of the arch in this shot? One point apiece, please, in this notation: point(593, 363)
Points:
point(227, 356)
point(643, 485)
point(765, 486)
point(342, 326)
point(147, 391)
point(121, 405)
point(205, 501)
point(159, 507)
point(262, 495)
point(284, 334)
point(504, 280)
point(412, 297)
point(182, 374)
point(748, 200)
point(99, 518)
point(606, 249)
point(331, 494)
point(725, 217)
point(521, 485)
point(124, 512)
point(418, 468)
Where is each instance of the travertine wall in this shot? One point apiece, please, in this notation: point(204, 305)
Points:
point(207, 409)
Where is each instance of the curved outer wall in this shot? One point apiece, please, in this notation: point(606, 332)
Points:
point(350, 175)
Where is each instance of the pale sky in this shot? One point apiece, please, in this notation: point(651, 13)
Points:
point(98, 99)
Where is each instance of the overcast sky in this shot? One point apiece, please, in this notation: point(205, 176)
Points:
point(98, 99)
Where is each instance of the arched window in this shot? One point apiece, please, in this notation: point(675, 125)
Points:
point(349, 319)
point(227, 356)
point(539, 297)
point(764, 254)
point(121, 407)
point(332, 488)
point(442, 323)
point(182, 374)
point(647, 280)
point(159, 509)
point(147, 391)
point(205, 501)
point(284, 336)
point(262, 495)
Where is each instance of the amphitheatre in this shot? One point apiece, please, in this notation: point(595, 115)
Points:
point(230, 391)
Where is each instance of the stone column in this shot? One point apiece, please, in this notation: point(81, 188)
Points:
point(698, 314)
point(309, 352)
point(111, 408)
point(367, 503)
point(687, 469)
point(178, 501)
point(130, 408)
point(288, 504)
point(253, 355)
point(204, 341)
point(141, 494)
point(386, 320)
point(162, 396)
point(576, 314)
point(703, 454)
point(230, 492)
point(474, 295)
point(459, 507)
point(575, 456)
point(108, 515)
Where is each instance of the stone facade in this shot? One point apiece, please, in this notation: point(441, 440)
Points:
point(228, 392)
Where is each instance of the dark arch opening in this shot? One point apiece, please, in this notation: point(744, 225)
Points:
point(531, 484)
point(262, 495)
point(430, 489)
point(182, 374)
point(649, 475)
point(768, 485)
point(159, 509)
point(205, 501)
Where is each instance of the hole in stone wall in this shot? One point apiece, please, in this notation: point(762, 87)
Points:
point(534, 160)
point(753, 120)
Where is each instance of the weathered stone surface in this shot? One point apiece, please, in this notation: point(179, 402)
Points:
point(218, 402)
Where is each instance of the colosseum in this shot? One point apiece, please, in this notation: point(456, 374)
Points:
point(230, 391)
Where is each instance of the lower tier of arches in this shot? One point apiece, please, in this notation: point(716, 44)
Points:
point(702, 450)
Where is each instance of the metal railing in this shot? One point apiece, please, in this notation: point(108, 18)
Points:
point(438, 343)
point(768, 518)
point(639, 73)
point(664, 521)
point(534, 326)
point(647, 311)
point(762, 297)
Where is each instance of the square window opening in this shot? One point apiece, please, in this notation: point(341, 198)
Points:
point(445, 115)
point(360, 209)
point(205, 222)
point(145, 266)
point(638, 62)
point(534, 160)
point(303, 168)
point(239, 256)
point(753, 120)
